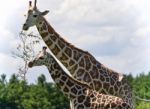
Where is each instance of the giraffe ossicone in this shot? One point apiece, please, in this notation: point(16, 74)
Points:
point(81, 95)
point(81, 64)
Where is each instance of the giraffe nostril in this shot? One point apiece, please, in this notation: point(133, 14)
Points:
point(30, 64)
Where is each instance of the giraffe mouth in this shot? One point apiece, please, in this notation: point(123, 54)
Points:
point(25, 27)
point(30, 64)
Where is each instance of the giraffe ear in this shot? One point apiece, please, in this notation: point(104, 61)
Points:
point(44, 49)
point(44, 13)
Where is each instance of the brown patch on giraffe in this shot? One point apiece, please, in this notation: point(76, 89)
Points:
point(71, 62)
point(98, 65)
point(112, 82)
point(86, 77)
point(107, 97)
point(74, 68)
point(94, 99)
point(87, 102)
point(108, 80)
point(87, 61)
point(79, 92)
point(51, 30)
point(65, 64)
point(125, 87)
point(56, 66)
point(92, 105)
point(91, 94)
point(61, 83)
point(44, 26)
point(118, 83)
point(78, 87)
point(99, 100)
point(103, 100)
point(107, 106)
point(64, 78)
point(61, 44)
point(40, 22)
point(76, 55)
point(113, 105)
point(63, 57)
point(72, 96)
point(81, 63)
point(105, 69)
point(53, 76)
point(115, 77)
point(99, 96)
point(93, 60)
point(125, 105)
point(101, 72)
point(98, 85)
point(69, 83)
point(74, 90)
point(45, 34)
point(118, 101)
point(53, 37)
point(81, 106)
point(106, 86)
point(115, 87)
point(66, 89)
point(56, 50)
point(41, 29)
point(80, 72)
point(68, 51)
point(102, 78)
point(94, 73)
point(111, 90)
point(119, 107)
point(81, 98)
point(57, 74)
point(121, 91)
point(48, 42)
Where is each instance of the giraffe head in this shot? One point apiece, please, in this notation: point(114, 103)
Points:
point(43, 58)
point(32, 16)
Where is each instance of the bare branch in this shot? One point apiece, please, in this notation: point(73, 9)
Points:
point(25, 51)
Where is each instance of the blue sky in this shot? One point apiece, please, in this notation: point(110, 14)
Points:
point(116, 32)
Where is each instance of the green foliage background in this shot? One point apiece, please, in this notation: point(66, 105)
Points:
point(17, 94)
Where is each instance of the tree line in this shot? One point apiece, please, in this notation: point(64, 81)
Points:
point(18, 94)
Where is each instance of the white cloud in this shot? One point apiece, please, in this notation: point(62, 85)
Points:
point(131, 60)
point(8, 65)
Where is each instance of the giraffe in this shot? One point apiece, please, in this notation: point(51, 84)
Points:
point(81, 64)
point(81, 94)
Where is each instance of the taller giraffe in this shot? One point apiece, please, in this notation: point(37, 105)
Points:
point(80, 94)
point(81, 64)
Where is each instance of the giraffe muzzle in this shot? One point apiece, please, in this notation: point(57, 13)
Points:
point(25, 27)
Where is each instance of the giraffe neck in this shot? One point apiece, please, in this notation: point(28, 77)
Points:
point(69, 86)
point(68, 54)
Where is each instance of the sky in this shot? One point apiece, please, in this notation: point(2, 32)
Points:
point(115, 32)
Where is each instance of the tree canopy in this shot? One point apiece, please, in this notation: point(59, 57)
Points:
point(18, 94)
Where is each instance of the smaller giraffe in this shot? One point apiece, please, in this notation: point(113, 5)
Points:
point(82, 96)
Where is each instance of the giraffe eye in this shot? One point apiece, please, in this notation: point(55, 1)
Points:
point(34, 15)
